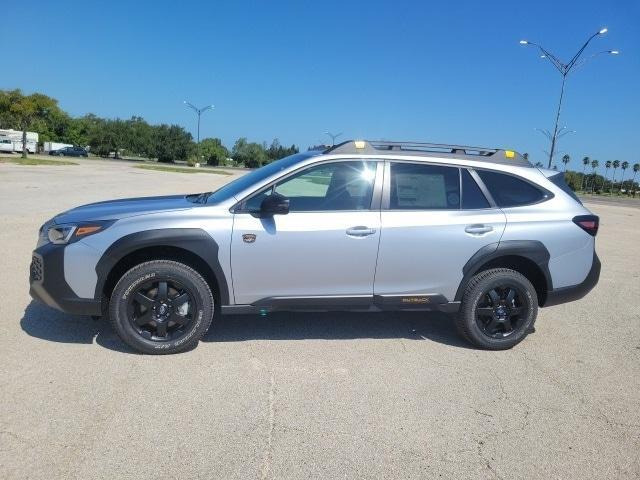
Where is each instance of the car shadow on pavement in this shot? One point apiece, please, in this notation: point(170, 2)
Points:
point(432, 326)
point(43, 322)
point(46, 323)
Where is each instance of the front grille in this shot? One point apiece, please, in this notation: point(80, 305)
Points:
point(36, 269)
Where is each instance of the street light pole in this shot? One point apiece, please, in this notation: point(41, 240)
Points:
point(565, 69)
point(199, 112)
point(333, 137)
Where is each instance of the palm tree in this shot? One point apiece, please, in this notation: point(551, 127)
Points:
point(624, 166)
point(616, 164)
point(566, 159)
point(607, 166)
point(636, 167)
point(594, 165)
point(585, 162)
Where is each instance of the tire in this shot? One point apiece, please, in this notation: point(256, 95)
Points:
point(156, 319)
point(488, 309)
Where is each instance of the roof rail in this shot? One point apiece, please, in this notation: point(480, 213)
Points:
point(383, 147)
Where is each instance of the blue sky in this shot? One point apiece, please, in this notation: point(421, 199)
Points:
point(440, 71)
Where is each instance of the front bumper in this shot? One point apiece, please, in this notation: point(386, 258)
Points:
point(575, 292)
point(48, 286)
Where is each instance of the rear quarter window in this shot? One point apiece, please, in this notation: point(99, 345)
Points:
point(559, 181)
point(510, 191)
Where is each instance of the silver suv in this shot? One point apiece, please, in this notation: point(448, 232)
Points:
point(363, 226)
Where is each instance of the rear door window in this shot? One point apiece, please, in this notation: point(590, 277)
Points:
point(510, 191)
point(424, 187)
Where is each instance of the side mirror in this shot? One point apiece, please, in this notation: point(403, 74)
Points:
point(274, 204)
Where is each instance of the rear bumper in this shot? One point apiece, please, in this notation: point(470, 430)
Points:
point(47, 284)
point(575, 292)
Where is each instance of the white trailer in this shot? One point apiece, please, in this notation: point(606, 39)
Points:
point(16, 137)
point(6, 145)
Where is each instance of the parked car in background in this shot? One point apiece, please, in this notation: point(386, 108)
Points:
point(49, 146)
point(70, 152)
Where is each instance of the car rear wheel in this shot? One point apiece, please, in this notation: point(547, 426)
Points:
point(161, 307)
point(499, 308)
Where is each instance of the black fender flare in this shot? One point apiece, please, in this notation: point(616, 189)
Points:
point(532, 250)
point(195, 240)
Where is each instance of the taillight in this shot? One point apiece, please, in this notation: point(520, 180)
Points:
point(589, 223)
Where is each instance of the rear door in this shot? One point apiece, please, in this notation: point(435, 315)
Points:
point(326, 246)
point(433, 219)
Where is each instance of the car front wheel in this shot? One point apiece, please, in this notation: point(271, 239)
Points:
point(499, 308)
point(161, 307)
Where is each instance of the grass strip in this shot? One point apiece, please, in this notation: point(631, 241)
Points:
point(162, 168)
point(34, 161)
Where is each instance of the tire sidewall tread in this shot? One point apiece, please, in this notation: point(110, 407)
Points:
point(143, 272)
point(466, 318)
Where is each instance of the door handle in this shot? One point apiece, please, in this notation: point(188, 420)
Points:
point(360, 231)
point(478, 229)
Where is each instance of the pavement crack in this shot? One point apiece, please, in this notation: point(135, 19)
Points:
point(268, 453)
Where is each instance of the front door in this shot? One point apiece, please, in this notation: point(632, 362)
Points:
point(326, 246)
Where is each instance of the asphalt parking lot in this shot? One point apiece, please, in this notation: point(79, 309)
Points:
point(310, 395)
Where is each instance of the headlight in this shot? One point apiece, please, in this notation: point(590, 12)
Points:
point(63, 234)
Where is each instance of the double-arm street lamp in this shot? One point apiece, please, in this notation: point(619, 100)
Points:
point(333, 137)
point(565, 69)
point(199, 112)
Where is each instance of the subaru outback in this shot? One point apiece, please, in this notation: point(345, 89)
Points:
point(478, 233)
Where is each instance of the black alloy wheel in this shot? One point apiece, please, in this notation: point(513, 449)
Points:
point(498, 309)
point(161, 309)
point(501, 311)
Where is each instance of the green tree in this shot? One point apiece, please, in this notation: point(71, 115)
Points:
point(25, 110)
point(607, 166)
point(277, 151)
point(138, 137)
point(624, 166)
point(616, 164)
point(585, 162)
point(594, 166)
point(171, 143)
point(251, 155)
point(108, 136)
point(213, 151)
point(566, 159)
point(636, 168)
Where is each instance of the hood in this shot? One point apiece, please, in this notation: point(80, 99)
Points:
point(126, 207)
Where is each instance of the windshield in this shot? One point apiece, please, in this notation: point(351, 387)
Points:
point(233, 188)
